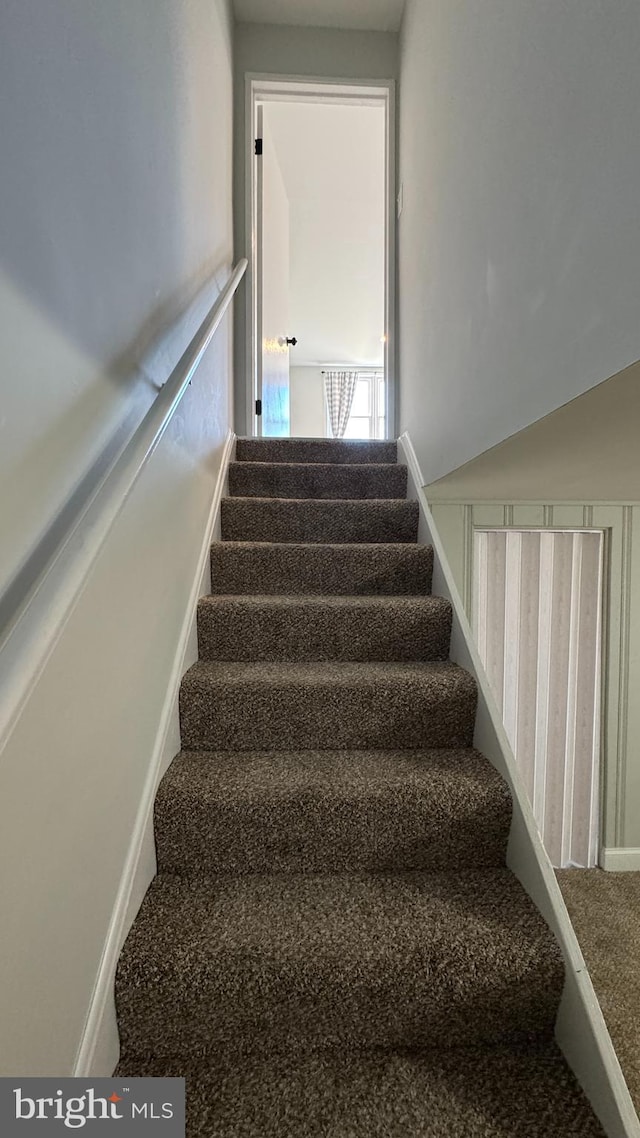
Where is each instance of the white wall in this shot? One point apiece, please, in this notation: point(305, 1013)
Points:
point(284, 50)
point(333, 165)
point(519, 242)
point(115, 204)
point(308, 404)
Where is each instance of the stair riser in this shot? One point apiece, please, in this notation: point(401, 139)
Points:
point(273, 1009)
point(303, 834)
point(246, 717)
point(279, 519)
point(330, 570)
point(285, 964)
point(281, 480)
point(315, 450)
point(381, 1094)
point(409, 630)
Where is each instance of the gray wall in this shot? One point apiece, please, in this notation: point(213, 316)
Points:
point(114, 206)
point(115, 201)
point(519, 243)
point(585, 451)
point(283, 50)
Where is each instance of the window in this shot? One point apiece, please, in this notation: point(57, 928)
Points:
point(367, 418)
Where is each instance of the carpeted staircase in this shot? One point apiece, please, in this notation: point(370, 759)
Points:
point(333, 946)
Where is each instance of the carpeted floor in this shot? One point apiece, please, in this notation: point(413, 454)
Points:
point(605, 911)
point(333, 946)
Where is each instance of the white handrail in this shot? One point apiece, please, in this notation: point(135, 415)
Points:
point(35, 625)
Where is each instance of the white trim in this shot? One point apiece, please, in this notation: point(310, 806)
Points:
point(626, 588)
point(249, 230)
point(257, 244)
point(98, 1051)
point(436, 499)
point(348, 91)
point(392, 419)
point(580, 1028)
point(620, 860)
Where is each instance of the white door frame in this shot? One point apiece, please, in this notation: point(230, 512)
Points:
point(263, 87)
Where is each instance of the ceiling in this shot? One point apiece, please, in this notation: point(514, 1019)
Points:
point(370, 15)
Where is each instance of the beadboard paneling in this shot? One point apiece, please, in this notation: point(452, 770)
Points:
point(620, 711)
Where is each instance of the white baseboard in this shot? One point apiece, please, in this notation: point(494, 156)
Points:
point(99, 1047)
point(619, 860)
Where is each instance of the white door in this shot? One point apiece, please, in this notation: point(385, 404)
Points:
point(273, 288)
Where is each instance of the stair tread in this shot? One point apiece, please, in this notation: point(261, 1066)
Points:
point(248, 705)
point(334, 811)
point(333, 520)
point(466, 1093)
point(315, 548)
point(321, 504)
point(418, 604)
point(318, 568)
point(299, 627)
point(318, 480)
point(483, 914)
point(316, 450)
point(328, 960)
point(284, 774)
point(301, 467)
point(323, 673)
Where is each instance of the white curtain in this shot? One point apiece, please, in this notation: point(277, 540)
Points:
point(537, 618)
point(339, 388)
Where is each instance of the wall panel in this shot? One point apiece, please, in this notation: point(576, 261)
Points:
point(620, 710)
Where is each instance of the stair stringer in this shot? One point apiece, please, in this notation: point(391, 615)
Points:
point(581, 1031)
point(99, 1048)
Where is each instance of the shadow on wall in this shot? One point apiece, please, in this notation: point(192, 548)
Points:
point(114, 209)
point(97, 200)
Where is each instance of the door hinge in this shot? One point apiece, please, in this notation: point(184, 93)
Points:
point(258, 147)
point(258, 406)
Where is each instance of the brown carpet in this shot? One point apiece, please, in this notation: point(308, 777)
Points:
point(317, 480)
point(482, 1093)
point(605, 911)
point(333, 946)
